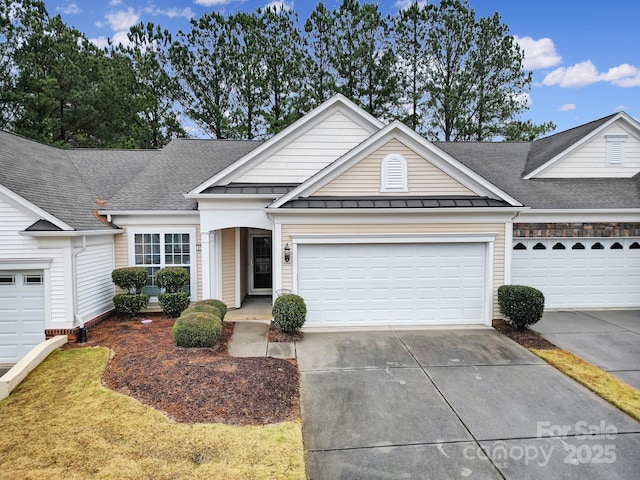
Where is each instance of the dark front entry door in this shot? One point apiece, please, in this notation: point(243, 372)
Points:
point(262, 278)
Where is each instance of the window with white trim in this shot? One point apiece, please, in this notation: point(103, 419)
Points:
point(159, 249)
point(615, 150)
point(393, 174)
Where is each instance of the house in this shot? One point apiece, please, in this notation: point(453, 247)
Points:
point(370, 223)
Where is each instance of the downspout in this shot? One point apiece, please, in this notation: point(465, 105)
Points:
point(74, 266)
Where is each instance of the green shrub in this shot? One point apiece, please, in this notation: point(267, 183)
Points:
point(215, 303)
point(130, 279)
point(197, 329)
point(130, 304)
point(520, 305)
point(172, 279)
point(173, 304)
point(289, 313)
point(198, 307)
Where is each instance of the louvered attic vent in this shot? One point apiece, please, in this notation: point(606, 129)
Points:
point(394, 174)
point(615, 150)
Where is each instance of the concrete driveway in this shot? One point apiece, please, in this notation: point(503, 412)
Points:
point(452, 404)
point(609, 339)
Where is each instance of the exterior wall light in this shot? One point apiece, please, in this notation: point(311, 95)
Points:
point(287, 253)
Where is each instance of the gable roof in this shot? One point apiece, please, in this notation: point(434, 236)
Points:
point(337, 103)
point(545, 151)
point(502, 163)
point(397, 130)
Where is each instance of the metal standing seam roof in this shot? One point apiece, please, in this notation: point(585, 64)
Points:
point(395, 202)
point(251, 189)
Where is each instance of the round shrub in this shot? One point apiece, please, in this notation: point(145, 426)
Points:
point(173, 304)
point(197, 329)
point(130, 304)
point(215, 303)
point(520, 305)
point(130, 279)
point(289, 313)
point(204, 308)
point(172, 279)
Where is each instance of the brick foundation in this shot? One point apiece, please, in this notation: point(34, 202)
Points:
point(573, 230)
point(74, 333)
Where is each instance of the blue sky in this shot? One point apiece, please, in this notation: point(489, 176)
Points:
point(584, 54)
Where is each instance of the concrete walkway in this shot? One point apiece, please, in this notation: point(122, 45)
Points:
point(251, 339)
point(451, 404)
point(610, 339)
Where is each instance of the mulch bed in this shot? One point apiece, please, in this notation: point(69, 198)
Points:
point(526, 338)
point(195, 385)
point(276, 335)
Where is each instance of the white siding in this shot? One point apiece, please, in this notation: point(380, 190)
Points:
point(93, 281)
point(590, 160)
point(364, 178)
point(15, 246)
point(309, 153)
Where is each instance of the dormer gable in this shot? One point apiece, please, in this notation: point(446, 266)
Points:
point(607, 148)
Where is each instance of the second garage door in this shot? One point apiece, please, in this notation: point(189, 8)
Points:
point(363, 285)
point(22, 314)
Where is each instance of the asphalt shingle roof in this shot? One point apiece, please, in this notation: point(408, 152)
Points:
point(546, 148)
point(502, 163)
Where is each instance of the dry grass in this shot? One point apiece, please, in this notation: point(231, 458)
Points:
point(613, 390)
point(61, 422)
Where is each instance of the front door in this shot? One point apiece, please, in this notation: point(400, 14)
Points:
point(261, 276)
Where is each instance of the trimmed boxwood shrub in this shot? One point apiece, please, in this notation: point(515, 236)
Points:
point(173, 300)
point(172, 279)
point(289, 313)
point(198, 307)
point(173, 304)
point(520, 305)
point(215, 303)
point(130, 304)
point(131, 280)
point(197, 329)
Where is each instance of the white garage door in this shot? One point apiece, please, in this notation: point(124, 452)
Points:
point(21, 313)
point(580, 273)
point(392, 284)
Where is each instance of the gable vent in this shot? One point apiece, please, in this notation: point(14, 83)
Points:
point(394, 174)
point(615, 149)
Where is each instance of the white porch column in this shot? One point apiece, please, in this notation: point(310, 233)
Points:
point(206, 265)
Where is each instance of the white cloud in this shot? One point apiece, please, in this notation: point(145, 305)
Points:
point(404, 4)
point(279, 5)
point(123, 20)
point(621, 108)
point(118, 38)
point(115, 2)
point(539, 53)
point(211, 3)
point(567, 107)
point(585, 73)
point(170, 12)
point(69, 9)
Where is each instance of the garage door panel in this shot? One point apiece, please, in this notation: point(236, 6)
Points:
point(21, 316)
point(401, 284)
point(580, 278)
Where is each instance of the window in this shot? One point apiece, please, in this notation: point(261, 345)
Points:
point(539, 246)
point(634, 246)
point(597, 246)
point(616, 246)
point(615, 150)
point(393, 174)
point(32, 279)
point(8, 279)
point(520, 246)
point(156, 250)
point(559, 246)
point(578, 246)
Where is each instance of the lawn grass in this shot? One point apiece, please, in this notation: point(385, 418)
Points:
point(610, 388)
point(61, 422)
